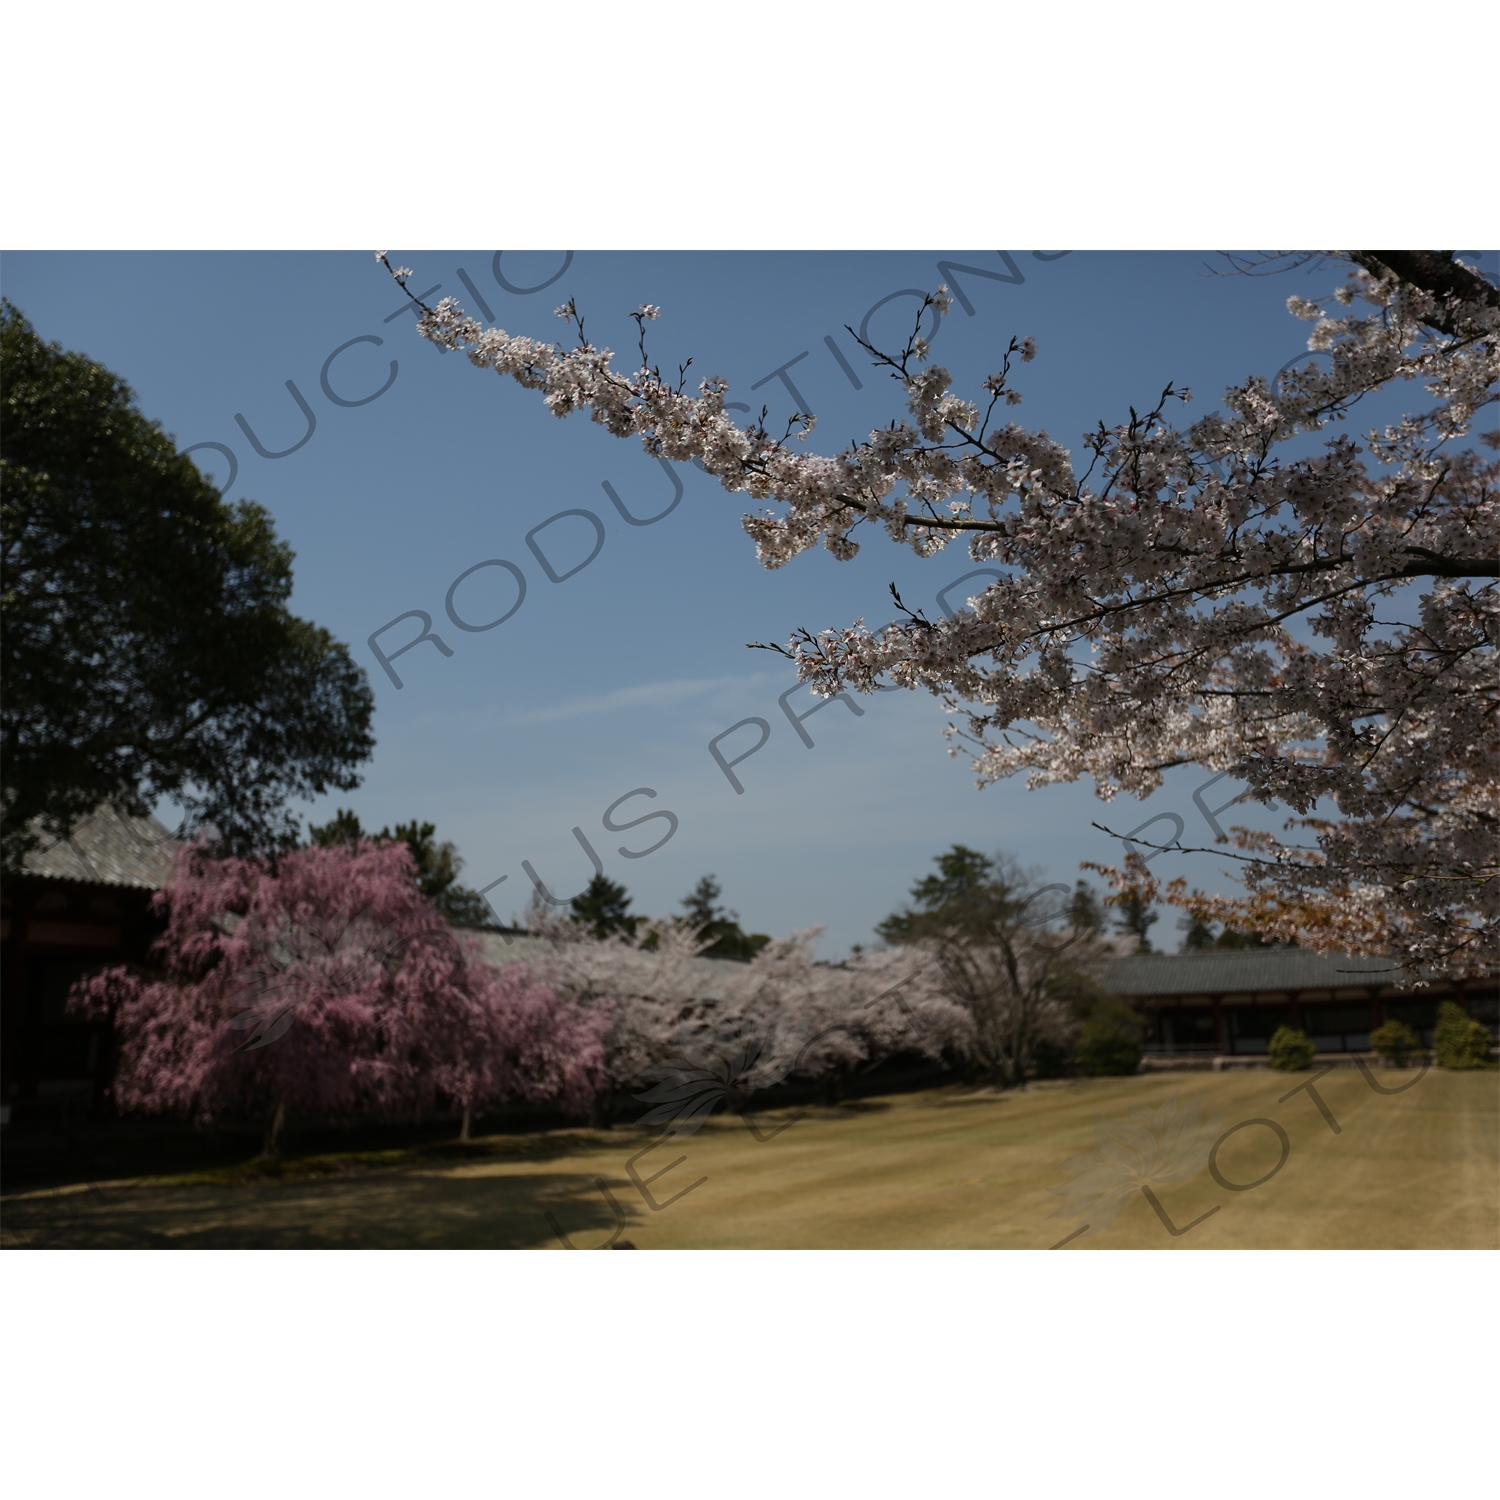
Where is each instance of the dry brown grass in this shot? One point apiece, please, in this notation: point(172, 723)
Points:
point(947, 1169)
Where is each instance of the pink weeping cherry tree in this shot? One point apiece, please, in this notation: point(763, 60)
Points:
point(323, 985)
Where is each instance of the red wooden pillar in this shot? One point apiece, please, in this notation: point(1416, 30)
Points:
point(1218, 1026)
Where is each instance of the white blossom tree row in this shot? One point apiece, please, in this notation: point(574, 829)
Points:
point(780, 1016)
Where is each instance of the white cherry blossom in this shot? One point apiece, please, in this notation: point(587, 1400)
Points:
point(1319, 621)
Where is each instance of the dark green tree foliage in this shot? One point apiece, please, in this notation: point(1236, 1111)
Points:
point(1459, 1041)
point(1084, 911)
point(1291, 1051)
point(437, 864)
point(720, 929)
point(1199, 936)
point(1051, 1059)
point(1135, 917)
point(1108, 1044)
point(1229, 938)
point(343, 828)
point(148, 650)
point(1196, 935)
point(603, 908)
point(961, 894)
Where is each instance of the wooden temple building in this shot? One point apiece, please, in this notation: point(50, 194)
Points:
point(1221, 1008)
point(76, 906)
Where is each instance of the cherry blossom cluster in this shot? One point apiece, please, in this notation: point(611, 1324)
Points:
point(781, 1015)
point(1261, 592)
point(325, 985)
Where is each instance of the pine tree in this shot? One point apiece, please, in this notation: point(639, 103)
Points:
point(602, 908)
point(719, 928)
point(1197, 935)
point(1135, 917)
point(437, 864)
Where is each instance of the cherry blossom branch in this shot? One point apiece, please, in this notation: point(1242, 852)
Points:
point(1141, 620)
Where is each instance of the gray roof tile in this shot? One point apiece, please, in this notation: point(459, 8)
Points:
point(1245, 971)
point(107, 848)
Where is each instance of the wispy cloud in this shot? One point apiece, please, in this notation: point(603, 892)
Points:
point(645, 695)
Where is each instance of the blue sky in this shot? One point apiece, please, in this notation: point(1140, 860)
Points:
point(617, 677)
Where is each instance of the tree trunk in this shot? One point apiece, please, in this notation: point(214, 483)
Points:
point(272, 1143)
point(1018, 1054)
point(463, 1133)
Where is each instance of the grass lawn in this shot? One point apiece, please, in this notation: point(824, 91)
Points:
point(946, 1169)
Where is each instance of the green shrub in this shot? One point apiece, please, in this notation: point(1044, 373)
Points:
point(1109, 1042)
point(1291, 1051)
point(1458, 1041)
point(1394, 1042)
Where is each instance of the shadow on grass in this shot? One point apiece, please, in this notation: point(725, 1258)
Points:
point(402, 1209)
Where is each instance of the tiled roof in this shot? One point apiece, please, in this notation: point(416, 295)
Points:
point(107, 848)
point(1245, 971)
point(1238, 971)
